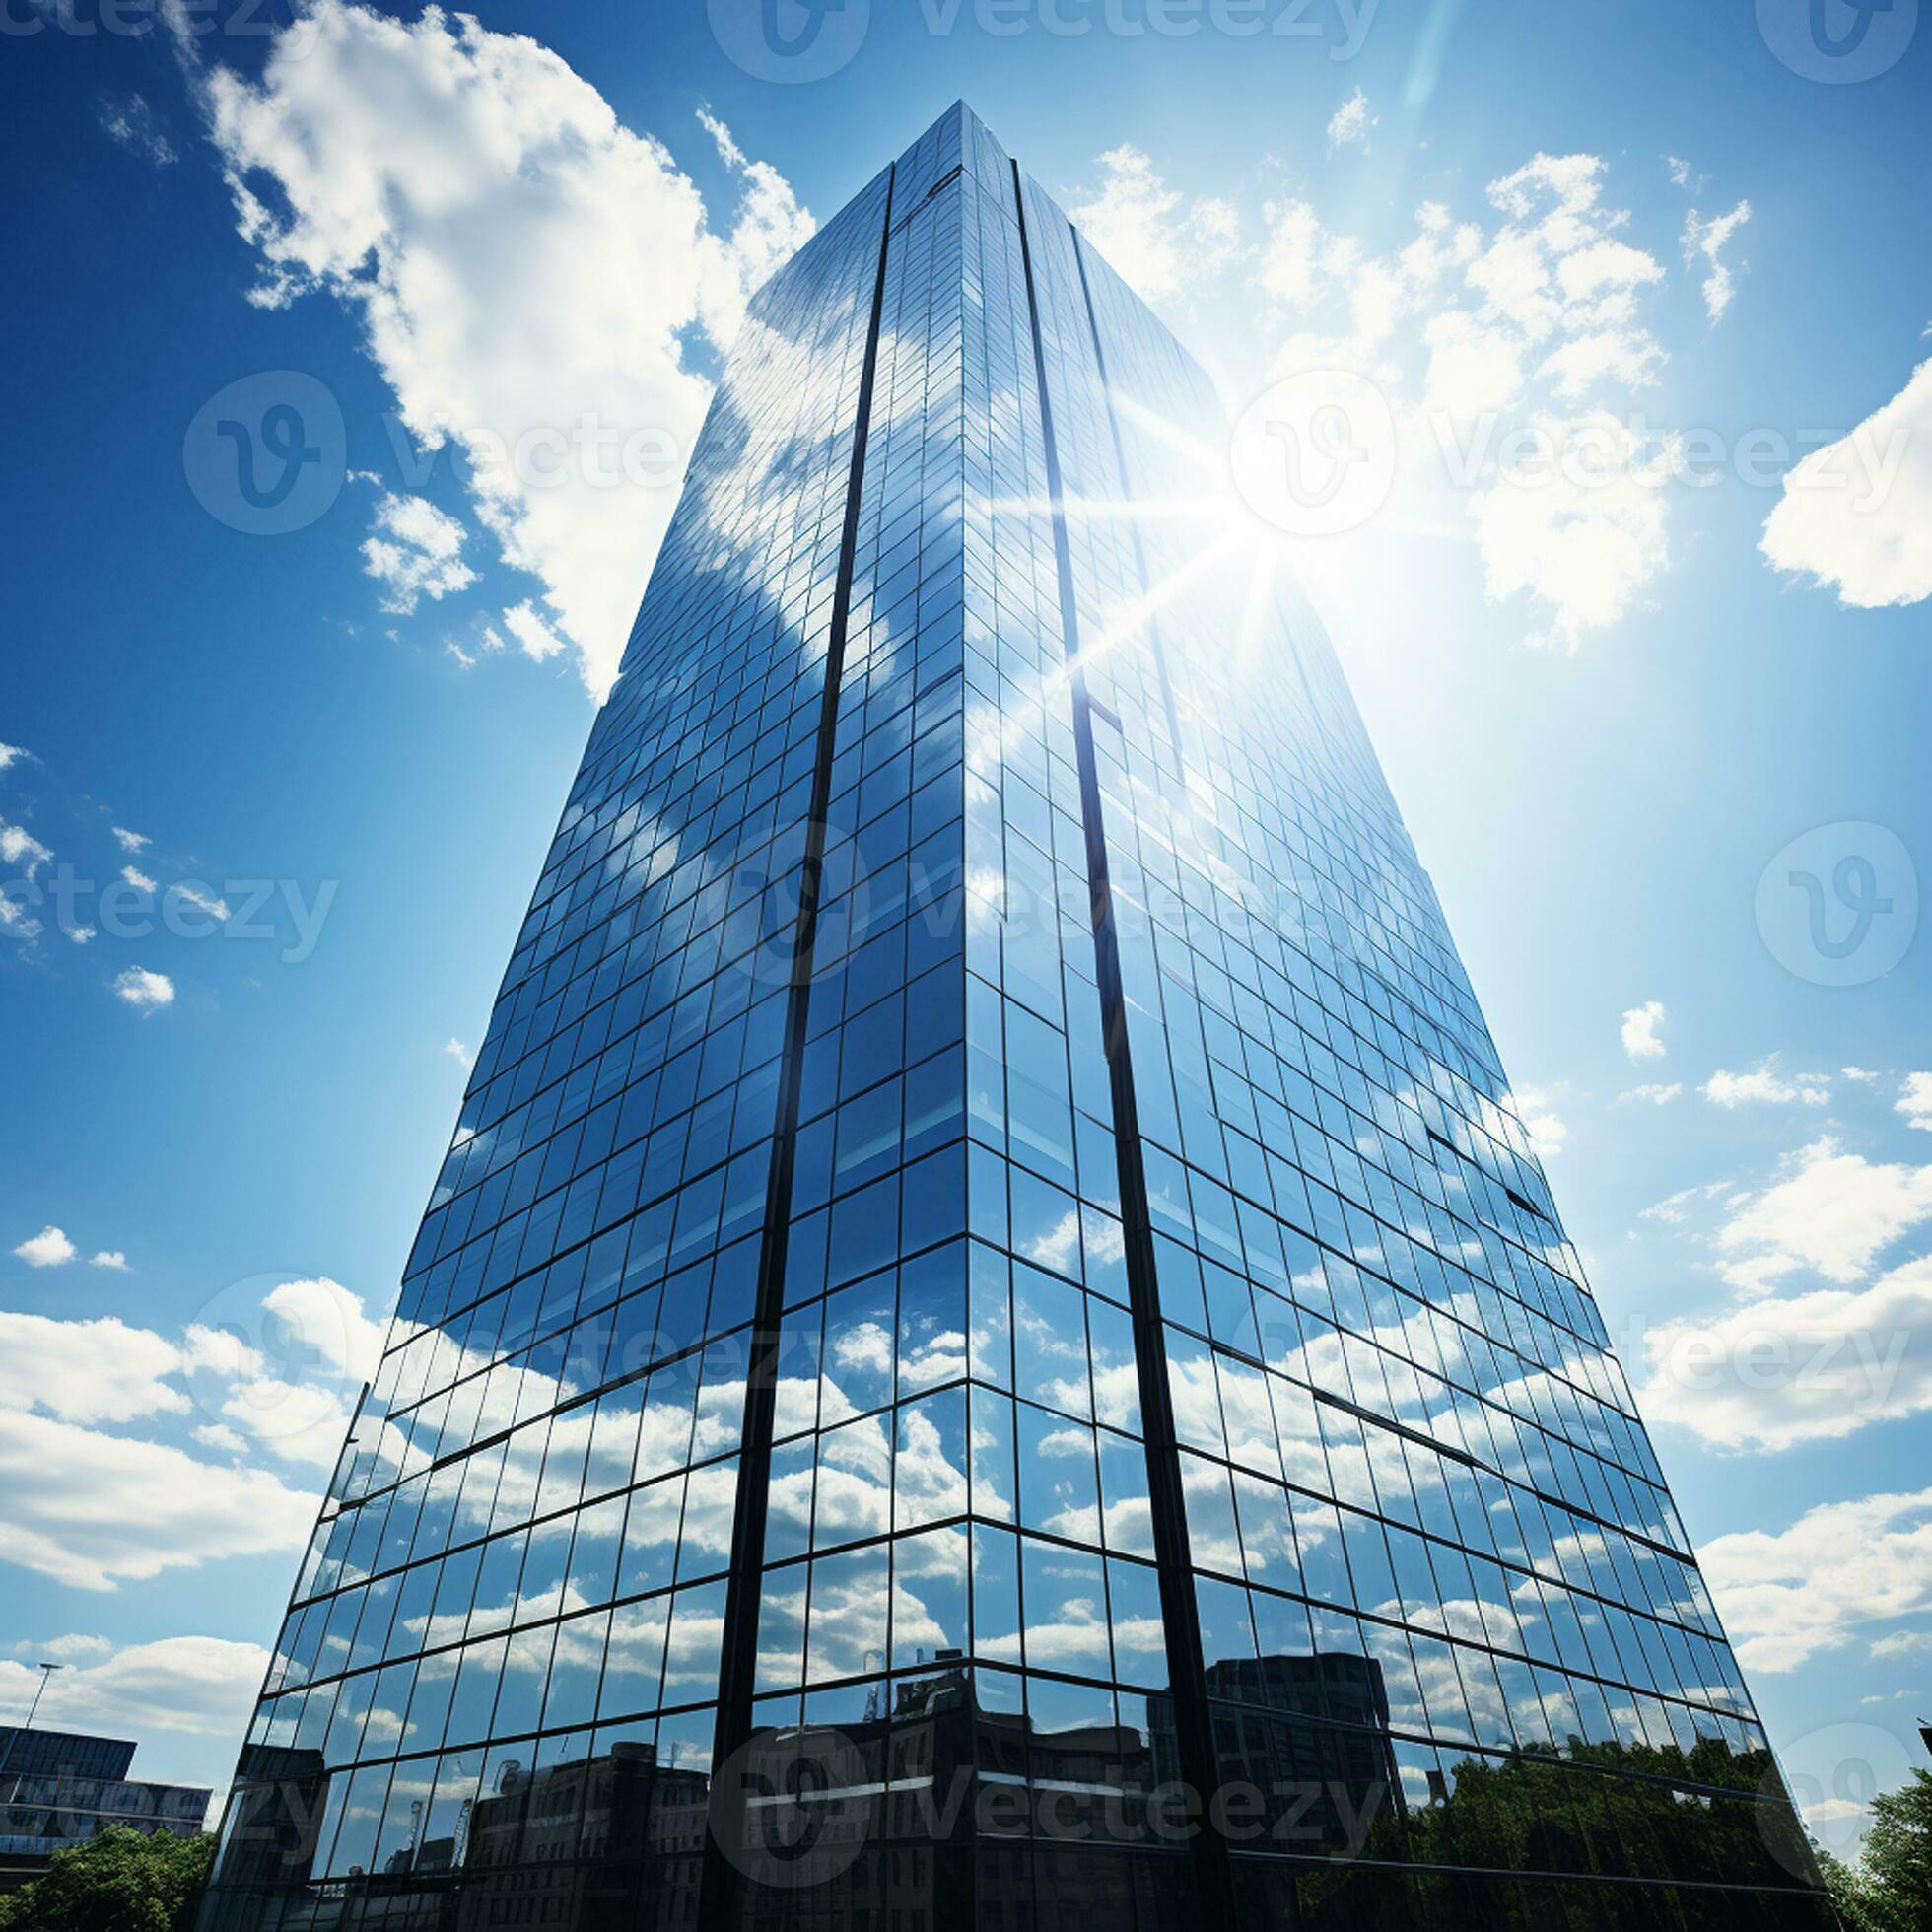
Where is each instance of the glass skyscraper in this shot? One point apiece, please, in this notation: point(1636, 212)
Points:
point(991, 1349)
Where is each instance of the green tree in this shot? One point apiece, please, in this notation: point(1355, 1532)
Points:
point(1899, 1856)
point(120, 1882)
point(1852, 1895)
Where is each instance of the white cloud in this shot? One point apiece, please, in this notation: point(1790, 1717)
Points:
point(138, 880)
point(771, 226)
point(202, 1684)
point(87, 1371)
point(1857, 513)
point(416, 553)
point(1676, 1208)
point(1860, 1073)
point(1829, 1211)
point(64, 1647)
point(522, 264)
point(1350, 122)
point(131, 122)
point(1773, 1373)
point(459, 1052)
point(104, 1371)
point(131, 841)
point(535, 638)
point(1590, 359)
point(293, 1422)
point(1896, 1646)
point(1766, 1083)
point(201, 901)
point(1474, 369)
point(1659, 1093)
point(1537, 309)
point(286, 1391)
point(144, 991)
point(80, 935)
point(1534, 1107)
point(1788, 1596)
point(107, 1257)
point(1707, 238)
point(1916, 1100)
point(1583, 544)
point(19, 847)
point(1570, 182)
point(1683, 175)
point(8, 753)
point(1606, 264)
point(50, 1248)
point(1641, 1030)
point(486, 641)
point(1831, 1811)
point(330, 1321)
point(1140, 226)
point(92, 1510)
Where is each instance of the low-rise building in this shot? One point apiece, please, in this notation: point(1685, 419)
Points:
point(60, 1788)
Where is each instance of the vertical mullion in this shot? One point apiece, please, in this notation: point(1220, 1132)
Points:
point(1180, 1618)
point(738, 1653)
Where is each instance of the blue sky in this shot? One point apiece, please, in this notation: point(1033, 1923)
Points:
point(320, 740)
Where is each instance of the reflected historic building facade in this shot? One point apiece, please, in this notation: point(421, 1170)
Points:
point(991, 1349)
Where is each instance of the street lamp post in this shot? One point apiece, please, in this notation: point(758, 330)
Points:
point(46, 1671)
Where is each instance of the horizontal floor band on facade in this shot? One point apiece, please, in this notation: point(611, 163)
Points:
point(1218, 1460)
point(688, 1349)
point(1226, 1708)
point(961, 1520)
point(644, 1206)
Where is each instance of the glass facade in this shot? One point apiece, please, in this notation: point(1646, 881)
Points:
point(990, 1350)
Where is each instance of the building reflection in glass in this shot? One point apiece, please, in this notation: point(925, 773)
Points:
point(914, 1804)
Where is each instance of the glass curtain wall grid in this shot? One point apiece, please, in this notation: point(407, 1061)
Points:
point(990, 1350)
